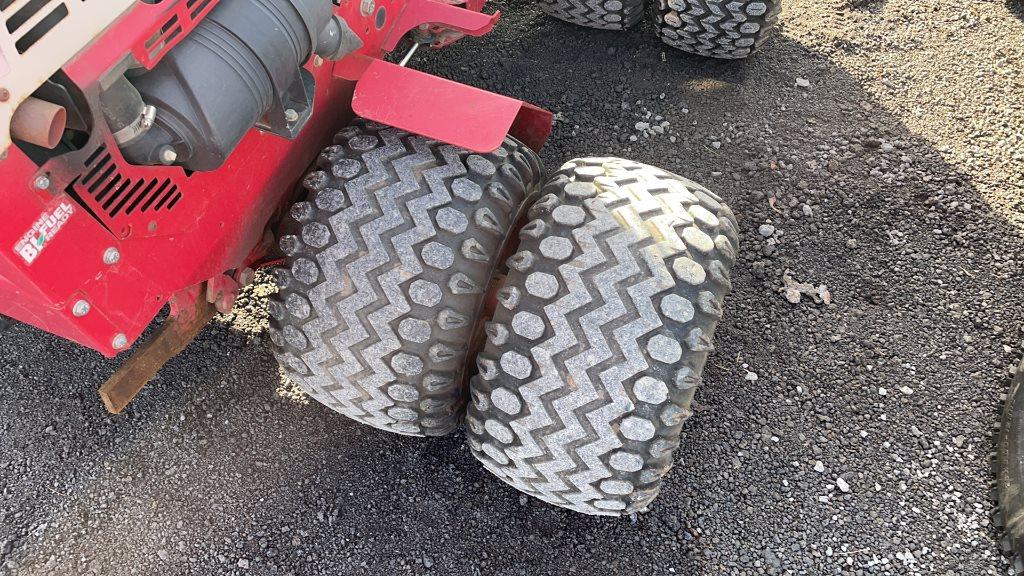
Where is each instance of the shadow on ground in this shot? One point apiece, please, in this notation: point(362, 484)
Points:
point(1016, 7)
point(211, 471)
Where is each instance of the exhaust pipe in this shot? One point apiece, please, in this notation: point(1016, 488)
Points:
point(39, 122)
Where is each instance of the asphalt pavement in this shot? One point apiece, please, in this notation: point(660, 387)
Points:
point(873, 153)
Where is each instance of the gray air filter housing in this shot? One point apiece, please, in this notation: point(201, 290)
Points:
point(240, 67)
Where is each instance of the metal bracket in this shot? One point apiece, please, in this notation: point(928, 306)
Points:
point(190, 312)
point(420, 12)
point(288, 117)
point(445, 110)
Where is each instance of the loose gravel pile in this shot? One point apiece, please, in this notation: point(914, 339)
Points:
point(873, 153)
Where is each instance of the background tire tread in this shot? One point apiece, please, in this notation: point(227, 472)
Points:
point(601, 14)
point(729, 29)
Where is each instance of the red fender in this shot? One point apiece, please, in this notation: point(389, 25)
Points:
point(444, 110)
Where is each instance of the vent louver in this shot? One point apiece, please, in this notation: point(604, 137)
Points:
point(182, 20)
point(28, 22)
point(114, 194)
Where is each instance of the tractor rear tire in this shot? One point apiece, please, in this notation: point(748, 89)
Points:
point(729, 29)
point(1010, 468)
point(387, 264)
point(603, 327)
point(602, 14)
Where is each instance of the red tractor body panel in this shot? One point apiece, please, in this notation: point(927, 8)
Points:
point(169, 229)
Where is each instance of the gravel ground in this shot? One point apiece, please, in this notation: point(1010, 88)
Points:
point(874, 148)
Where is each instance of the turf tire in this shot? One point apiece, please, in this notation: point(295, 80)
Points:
point(602, 14)
point(729, 29)
point(1009, 471)
point(387, 263)
point(603, 326)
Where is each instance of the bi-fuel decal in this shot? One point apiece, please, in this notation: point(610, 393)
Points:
point(43, 231)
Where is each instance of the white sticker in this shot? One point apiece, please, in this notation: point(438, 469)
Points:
point(42, 232)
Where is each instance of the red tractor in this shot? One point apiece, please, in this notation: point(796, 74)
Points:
point(156, 153)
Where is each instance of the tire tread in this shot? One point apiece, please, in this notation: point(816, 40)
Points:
point(601, 14)
point(729, 29)
point(585, 381)
point(386, 267)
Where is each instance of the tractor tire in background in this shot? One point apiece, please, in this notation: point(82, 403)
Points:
point(387, 264)
point(600, 336)
point(729, 29)
point(1010, 471)
point(602, 14)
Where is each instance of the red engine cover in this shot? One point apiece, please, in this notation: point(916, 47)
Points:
point(89, 227)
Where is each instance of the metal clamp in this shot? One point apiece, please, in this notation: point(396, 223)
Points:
point(140, 126)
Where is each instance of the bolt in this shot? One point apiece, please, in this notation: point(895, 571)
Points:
point(291, 115)
point(42, 182)
point(367, 7)
point(168, 155)
point(5, 94)
point(81, 308)
point(120, 342)
point(111, 256)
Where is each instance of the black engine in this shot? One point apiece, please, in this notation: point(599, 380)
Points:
point(240, 67)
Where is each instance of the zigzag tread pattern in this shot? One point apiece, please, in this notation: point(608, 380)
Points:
point(602, 330)
point(728, 29)
point(601, 14)
point(387, 263)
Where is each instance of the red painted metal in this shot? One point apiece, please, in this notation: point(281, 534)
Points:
point(443, 21)
point(178, 20)
point(172, 231)
point(533, 126)
point(133, 33)
point(445, 110)
point(476, 119)
point(213, 227)
point(424, 12)
point(221, 291)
